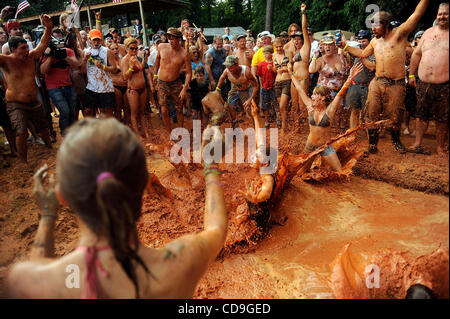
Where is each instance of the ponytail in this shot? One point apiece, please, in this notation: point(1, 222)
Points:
point(119, 222)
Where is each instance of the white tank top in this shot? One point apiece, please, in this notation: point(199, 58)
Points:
point(240, 83)
point(99, 81)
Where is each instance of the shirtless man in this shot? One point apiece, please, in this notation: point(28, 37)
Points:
point(430, 63)
point(244, 54)
point(171, 58)
point(241, 78)
point(213, 103)
point(300, 60)
point(387, 90)
point(21, 100)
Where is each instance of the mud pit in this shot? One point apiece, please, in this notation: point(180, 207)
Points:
point(293, 261)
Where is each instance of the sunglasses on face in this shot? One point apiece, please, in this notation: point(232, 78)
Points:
point(133, 49)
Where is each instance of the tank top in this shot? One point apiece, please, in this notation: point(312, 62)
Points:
point(240, 83)
point(217, 66)
point(99, 81)
point(332, 78)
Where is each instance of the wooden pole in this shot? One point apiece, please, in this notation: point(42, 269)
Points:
point(89, 17)
point(144, 35)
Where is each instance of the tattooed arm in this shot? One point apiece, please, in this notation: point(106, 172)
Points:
point(182, 262)
point(208, 64)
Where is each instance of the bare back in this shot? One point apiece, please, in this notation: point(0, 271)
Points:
point(213, 102)
point(433, 67)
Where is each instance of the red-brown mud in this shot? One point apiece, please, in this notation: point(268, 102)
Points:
point(397, 272)
point(293, 260)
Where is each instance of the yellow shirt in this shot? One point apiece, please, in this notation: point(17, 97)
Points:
point(258, 57)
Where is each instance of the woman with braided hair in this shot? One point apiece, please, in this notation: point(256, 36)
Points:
point(101, 175)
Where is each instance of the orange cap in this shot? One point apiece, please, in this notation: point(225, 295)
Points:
point(95, 34)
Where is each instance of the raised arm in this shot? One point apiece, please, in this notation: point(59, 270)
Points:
point(255, 88)
point(306, 48)
point(409, 25)
point(44, 241)
point(98, 20)
point(37, 52)
point(331, 109)
point(186, 259)
point(303, 95)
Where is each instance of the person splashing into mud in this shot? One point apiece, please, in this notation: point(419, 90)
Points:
point(102, 175)
point(320, 116)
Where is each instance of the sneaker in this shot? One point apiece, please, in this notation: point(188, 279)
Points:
point(31, 139)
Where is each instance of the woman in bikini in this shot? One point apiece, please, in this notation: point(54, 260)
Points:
point(102, 175)
point(321, 109)
point(133, 72)
point(332, 68)
point(120, 89)
point(300, 63)
point(282, 81)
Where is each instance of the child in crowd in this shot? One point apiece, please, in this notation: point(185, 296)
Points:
point(267, 74)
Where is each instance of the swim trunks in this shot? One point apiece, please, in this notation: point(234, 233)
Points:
point(19, 113)
point(432, 101)
point(170, 91)
point(283, 87)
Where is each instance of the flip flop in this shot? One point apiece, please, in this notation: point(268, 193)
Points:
point(419, 150)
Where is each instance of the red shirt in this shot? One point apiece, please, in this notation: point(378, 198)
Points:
point(58, 77)
point(267, 76)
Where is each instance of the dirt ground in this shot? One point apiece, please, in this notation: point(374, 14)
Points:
point(393, 201)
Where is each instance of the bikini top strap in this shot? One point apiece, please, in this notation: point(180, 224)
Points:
point(90, 277)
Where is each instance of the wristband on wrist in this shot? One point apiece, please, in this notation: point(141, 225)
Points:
point(130, 69)
point(98, 21)
point(412, 76)
point(314, 58)
point(218, 88)
point(104, 67)
point(1, 20)
point(345, 48)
